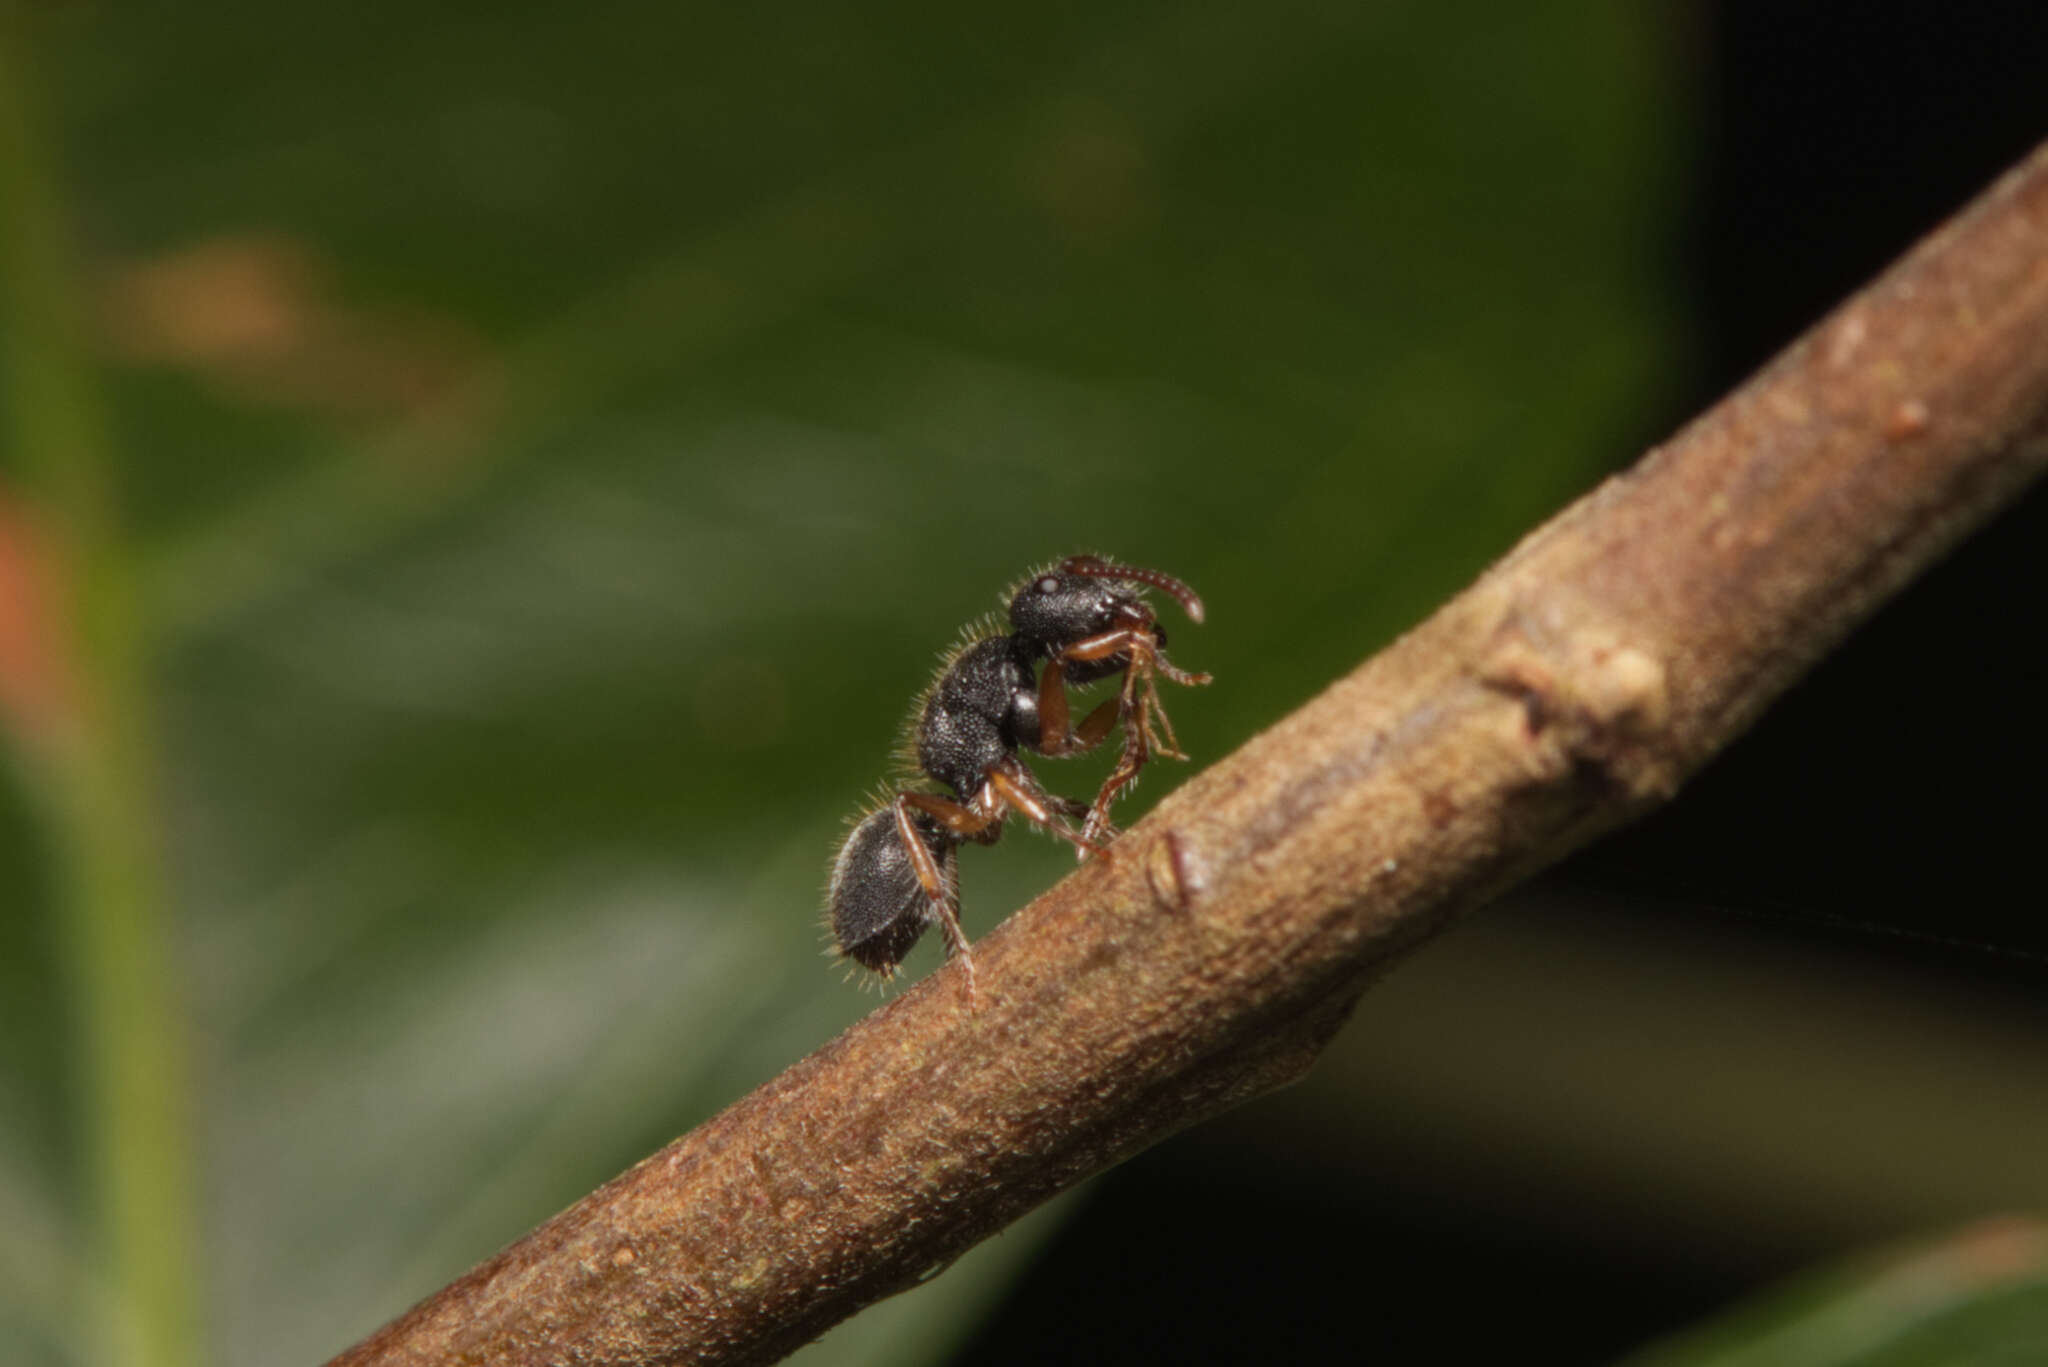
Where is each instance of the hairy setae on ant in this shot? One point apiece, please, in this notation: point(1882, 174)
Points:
point(1077, 622)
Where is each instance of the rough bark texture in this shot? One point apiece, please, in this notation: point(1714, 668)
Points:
point(1211, 952)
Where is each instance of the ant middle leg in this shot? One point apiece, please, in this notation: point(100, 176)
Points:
point(1013, 785)
point(978, 821)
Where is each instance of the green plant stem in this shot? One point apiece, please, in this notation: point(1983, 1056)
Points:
point(94, 759)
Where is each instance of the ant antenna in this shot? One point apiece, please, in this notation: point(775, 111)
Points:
point(1095, 567)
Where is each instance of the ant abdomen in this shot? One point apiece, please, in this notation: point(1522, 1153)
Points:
point(878, 907)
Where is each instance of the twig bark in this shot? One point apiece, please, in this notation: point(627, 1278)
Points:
point(1214, 949)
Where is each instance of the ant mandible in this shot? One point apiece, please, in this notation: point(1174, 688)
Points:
point(1087, 620)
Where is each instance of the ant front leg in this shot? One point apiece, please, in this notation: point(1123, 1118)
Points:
point(1133, 758)
point(1054, 738)
point(1137, 704)
point(1133, 708)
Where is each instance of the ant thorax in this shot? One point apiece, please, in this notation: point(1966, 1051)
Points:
point(980, 710)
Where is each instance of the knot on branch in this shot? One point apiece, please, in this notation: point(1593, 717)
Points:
point(1591, 701)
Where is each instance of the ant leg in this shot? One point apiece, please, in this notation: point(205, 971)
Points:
point(956, 948)
point(1141, 705)
point(1096, 829)
point(1140, 645)
point(969, 821)
point(1054, 736)
point(1096, 726)
point(1136, 752)
point(1068, 806)
point(1154, 707)
point(1149, 707)
point(1101, 647)
point(1014, 785)
point(1052, 695)
point(943, 896)
point(1136, 704)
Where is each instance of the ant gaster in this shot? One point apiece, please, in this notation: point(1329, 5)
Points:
point(1086, 620)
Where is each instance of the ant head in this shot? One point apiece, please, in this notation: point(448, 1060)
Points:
point(1086, 595)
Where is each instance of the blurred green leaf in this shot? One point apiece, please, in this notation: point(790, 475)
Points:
point(1976, 1299)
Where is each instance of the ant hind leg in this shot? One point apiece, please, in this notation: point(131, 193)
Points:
point(943, 891)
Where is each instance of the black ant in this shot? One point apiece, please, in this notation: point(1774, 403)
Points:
point(1087, 620)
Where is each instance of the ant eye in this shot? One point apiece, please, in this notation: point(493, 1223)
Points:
point(1046, 584)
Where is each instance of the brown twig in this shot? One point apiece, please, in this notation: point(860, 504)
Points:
point(1217, 945)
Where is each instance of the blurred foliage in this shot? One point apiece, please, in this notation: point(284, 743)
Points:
point(1979, 1297)
point(552, 444)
